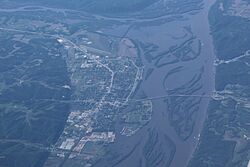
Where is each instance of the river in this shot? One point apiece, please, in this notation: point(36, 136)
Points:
point(184, 149)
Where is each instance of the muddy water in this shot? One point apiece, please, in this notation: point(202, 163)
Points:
point(154, 87)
